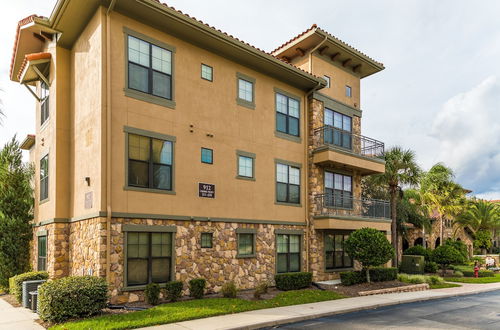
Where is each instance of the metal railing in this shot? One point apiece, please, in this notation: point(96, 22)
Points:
point(358, 144)
point(337, 205)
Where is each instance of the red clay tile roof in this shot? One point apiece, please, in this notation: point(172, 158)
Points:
point(314, 26)
point(21, 23)
point(31, 57)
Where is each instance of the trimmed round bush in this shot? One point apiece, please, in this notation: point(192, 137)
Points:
point(16, 282)
point(418, 250)
point(445, 255)
point(293, 281)
point(197, 287)
point(152, 293)
point(431, 267)
point(173, 290)
point(229, 290)
point(72, 297)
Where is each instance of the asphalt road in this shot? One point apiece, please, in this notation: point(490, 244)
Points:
point(479, 311)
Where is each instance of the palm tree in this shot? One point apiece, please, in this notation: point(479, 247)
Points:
point(480, 215)
point(420, 212)
point(400, 169)
point(441, 194)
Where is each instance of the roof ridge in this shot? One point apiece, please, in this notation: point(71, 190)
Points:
point(314, 26)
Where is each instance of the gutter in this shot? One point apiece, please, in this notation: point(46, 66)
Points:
point(306, 123)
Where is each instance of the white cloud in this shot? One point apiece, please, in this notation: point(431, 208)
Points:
point(467, 130)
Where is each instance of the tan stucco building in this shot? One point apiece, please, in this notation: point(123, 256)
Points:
point(166, 149)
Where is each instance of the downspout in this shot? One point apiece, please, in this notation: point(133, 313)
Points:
point(306, 129)
point(108, 141)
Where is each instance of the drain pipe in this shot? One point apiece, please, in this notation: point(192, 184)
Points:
point(108, 141)
point(306, 124)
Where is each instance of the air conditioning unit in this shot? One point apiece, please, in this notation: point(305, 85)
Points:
point(29, 286)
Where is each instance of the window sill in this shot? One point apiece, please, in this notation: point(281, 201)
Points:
point(150, 190)
point(139, 287)
point(288, 137)
point(246, 104)
point(43, 201)
point(239, 256)
point(44, 125)
point(335, 270)
point(288, 204)
point(244, 178)
point(149, 98)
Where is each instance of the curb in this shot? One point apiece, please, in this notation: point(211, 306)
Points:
point(357, 309)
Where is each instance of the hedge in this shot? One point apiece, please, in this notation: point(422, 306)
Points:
point(72, 297)
point(377, 274)
point(16, 282)
point(293, 281)
point(481, 273)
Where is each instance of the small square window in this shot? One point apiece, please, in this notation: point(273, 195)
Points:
point(327, 81)
point(348, 91)
point(245, 90)
point(246, 245)
point(207, 72)
point(245, 166)
point(206, 240)
point(207, 156)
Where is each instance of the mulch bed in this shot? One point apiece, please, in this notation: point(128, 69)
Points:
point(353, 290)
point(11, 300)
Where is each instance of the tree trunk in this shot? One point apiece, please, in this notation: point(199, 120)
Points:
point(442, 229)
point(368, 274)
point(394, 224)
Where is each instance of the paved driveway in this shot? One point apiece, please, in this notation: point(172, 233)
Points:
point(479, 311)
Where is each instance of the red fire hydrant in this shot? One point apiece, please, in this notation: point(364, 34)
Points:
point(476, 271)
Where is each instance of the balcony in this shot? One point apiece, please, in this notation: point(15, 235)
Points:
point(364, 212)
point(333, 146)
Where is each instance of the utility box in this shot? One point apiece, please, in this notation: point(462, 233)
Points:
point(412, 264)
point(29, 286)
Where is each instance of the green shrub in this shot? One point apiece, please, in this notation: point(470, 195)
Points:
point(460, 247)
point(16, 282)
point(419, 279)
point(412, 264)
point(152, 293)
point(486, 273)
point(173, 290)
point(445, 255)
point(477, 259)
point(458, 273)
point(72, 297)
point(352, 278)
point(377, 274)
point(197, 287)
point(229, 290)
point(434, 279)
point(431, 267)
point(418, 250)
point(260, 289)
point(293, 281)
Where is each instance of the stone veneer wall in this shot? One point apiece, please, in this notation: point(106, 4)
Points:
point(218, 265)
point(87, 251)
point(57, 249)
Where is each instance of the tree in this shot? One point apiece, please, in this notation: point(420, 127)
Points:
point(480, 215)
point(482, 240)
point(16, 212)
point(459, 246)
point(400, 169)
point(446, 255)
point(370, 247)
point(441, 194)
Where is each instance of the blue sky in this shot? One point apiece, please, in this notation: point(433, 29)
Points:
point(439, 94)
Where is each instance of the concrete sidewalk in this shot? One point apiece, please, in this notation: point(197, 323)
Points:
point(17, 318)
point(281, 315)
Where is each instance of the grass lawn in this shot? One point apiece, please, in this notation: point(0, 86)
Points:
point(195, 309)
point(479, 280)
point(443, 285)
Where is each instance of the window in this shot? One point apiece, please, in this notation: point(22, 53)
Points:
point(207, 156)
point(206, 240)
point(149, 258)
point(149, 68)
point(42, 253)
point(348, 91)
point(245, 91)
point(288, 184)
point(44, 102)
point(338, 189)
point(287, 115)
point(327, 81)
point(338, 129)
point(288, 253)
point(44, 178)
point(149, 162)
point(245, 166)
point(335, 256)
point(246, 245)
point(207, 72)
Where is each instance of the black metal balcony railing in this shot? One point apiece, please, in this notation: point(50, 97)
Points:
point(358, 144)
point(336, 205)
